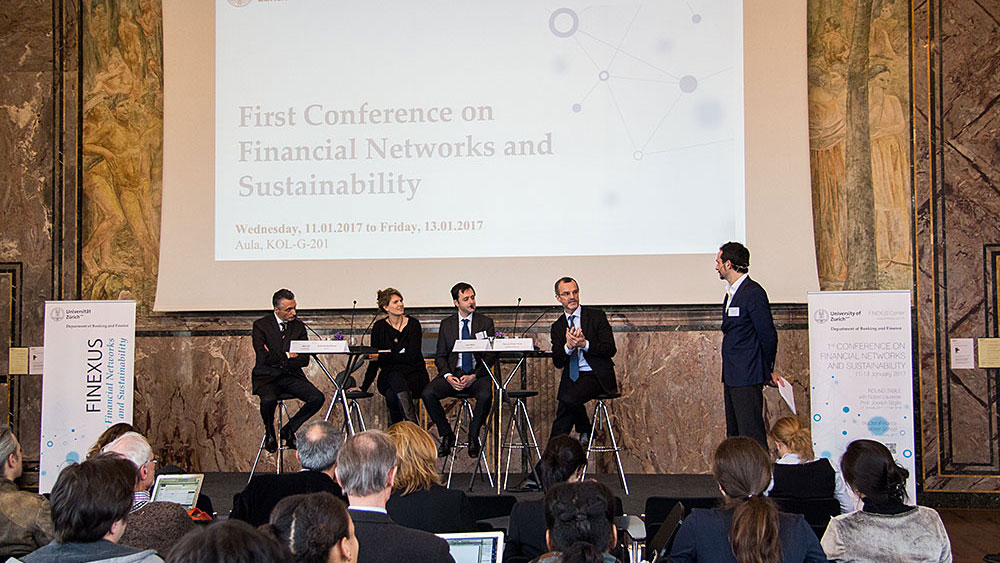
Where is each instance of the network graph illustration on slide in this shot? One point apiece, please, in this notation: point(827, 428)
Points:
point(664, 70)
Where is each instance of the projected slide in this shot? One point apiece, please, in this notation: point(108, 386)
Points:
point(347, 130)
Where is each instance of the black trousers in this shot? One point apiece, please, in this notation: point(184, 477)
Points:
point(298, 387)
point(571, 409)
point(745, 412)
point(439, 389)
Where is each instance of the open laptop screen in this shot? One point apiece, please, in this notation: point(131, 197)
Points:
point(475, 547)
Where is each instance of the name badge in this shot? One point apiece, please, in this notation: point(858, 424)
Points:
point(734, 311)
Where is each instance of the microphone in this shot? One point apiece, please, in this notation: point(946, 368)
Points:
point(516, 307)
point(370, 324)
point(538, 318)
point(350, 339)
point(310, 329)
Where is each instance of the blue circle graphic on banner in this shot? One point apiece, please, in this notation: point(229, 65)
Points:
point(878, 425)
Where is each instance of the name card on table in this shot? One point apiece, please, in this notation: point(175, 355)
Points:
point(318, 346)
point(513, 345)
point(471, 346)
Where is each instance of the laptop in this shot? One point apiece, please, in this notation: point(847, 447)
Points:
point(475, 547)
point(180, 488)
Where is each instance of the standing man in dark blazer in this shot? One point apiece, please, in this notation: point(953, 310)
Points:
point(461, 372)
point(582, 346)
point(278, 371)
point(749, 344)
point(366, 470)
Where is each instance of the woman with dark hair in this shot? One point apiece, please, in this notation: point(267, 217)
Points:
point(886, 529)
point(418, 500)
point(402, 373)
point(579, 523)
point(228, 541)
point(798, 474)
point(748, 528)
point(315, 527)
point(563, 460)
point(110, 434)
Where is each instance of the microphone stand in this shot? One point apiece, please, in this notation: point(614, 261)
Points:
point(339, 395)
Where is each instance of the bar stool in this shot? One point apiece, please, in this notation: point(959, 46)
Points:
point(519, 419)
point(463, 419)
point(279, 465)
point(355, 418)
point(602, 418)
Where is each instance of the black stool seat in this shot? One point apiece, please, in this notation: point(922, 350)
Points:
point(355, 395)
point(608, 396)
point(464, 395)
point(521, 393)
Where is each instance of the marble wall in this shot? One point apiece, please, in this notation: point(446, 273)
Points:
point(192, 379)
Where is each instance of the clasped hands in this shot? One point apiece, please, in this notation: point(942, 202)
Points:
point(461, 382)
point(575, 338)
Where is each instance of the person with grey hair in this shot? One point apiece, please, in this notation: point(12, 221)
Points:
point(366, 469)
point(25, 518)
point(151, 525)
point(318, 444)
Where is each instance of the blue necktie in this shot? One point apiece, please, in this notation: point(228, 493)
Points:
point(466, 356)
point(574, 358)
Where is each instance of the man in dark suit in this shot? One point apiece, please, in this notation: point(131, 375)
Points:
point(749, 344)
point(318, 445)
point(278, 371)
point(582, 346)
point(461, 372)
point(366, 468)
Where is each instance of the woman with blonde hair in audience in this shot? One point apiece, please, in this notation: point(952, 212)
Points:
point(316, 528)
point(748, 527)
point(798, 474)
point(418, 500)
point(885, 529)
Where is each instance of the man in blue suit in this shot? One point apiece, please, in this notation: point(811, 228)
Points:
point(749, 344)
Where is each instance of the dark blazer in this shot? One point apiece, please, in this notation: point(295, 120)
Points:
point(601, 340)
point(526, 531)
point(436, 510)
point(270, 345)
point(749, 340)
point(381, 540)
point(704, 536)
point(255, 503)
point(446, 360)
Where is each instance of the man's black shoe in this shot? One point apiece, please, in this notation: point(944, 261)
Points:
point(528, 485)
point(289, 439)
point(447, 442)
point(474, 447)
point(270, 442)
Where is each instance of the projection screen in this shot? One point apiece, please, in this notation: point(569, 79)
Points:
point(338, 147)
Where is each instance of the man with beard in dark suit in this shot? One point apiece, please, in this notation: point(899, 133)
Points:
point(749, 344)
point(278, 371)
point(366, 470)
point(582, 346)
point(461, 372)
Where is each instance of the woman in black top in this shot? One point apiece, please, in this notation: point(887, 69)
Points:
point(402, 374)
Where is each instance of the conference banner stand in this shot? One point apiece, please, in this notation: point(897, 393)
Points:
point(861, 372)
point(88, 379)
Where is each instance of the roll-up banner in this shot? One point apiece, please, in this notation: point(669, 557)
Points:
point(87, 384)
point(861, 373)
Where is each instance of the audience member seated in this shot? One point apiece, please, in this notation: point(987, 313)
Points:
point(151, 525)
point(418, 500)
point(25, 520)
point(563, 460)
point(228, 541)
point(885, 529)
point(316, 528)
point(579, 522)
point(366, 469)
point(110, 434)
point(797, 474)
point(90, 502)
point(748, 527)
point(318, 443)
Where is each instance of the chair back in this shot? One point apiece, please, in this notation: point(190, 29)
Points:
point(657, 509)
point(817, 511)
point(661, 543)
